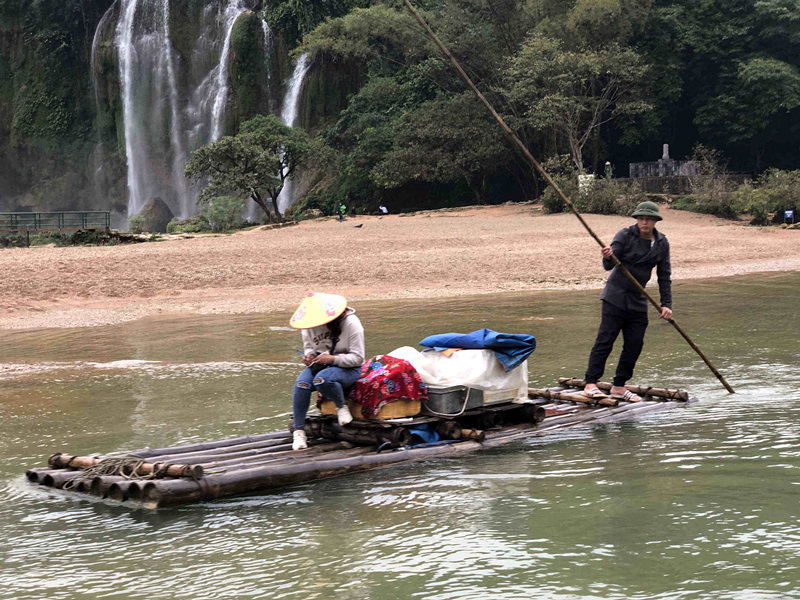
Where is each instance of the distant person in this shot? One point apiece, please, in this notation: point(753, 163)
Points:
point(383, 209)
point(609, 169)
point(341, 209)
point(640, 248)
point(333, 351)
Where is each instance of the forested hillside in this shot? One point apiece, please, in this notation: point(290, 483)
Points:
point(593, 79)
point(585, 80)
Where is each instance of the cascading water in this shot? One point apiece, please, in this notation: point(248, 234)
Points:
point(170, 106)
point(289, 116)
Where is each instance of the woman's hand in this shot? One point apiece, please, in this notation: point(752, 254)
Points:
point(606, 251)
point(309, 358)
point(324, 359)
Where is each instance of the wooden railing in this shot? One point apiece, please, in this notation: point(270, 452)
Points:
point(55, 221)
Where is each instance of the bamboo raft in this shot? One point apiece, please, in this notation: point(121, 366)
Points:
point(153, 478)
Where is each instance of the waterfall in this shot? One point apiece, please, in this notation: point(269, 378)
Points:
point(233, 10)
point(171, 105)
point(289, 116)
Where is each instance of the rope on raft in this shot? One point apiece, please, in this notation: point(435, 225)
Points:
point(124, 466)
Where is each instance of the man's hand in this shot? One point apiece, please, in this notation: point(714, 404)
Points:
point(606, 251)
point(666, 313)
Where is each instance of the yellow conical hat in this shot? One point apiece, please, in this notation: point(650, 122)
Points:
point(317, 309)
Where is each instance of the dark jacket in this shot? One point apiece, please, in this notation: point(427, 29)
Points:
point(639, 258)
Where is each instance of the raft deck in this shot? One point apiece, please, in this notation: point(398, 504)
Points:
point(153, 478)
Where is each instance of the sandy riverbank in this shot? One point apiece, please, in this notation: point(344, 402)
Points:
point(434, 254)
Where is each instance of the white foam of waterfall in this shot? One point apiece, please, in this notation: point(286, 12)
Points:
point(233, 10)
point(253, 212)
point(289, 116)
point(124, 35)
point(179, 158)
point(163, 122)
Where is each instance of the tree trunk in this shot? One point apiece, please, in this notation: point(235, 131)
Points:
point(274, 196)
point(478, 187)
point(260, 201)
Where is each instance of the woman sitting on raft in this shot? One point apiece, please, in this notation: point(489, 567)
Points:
point(333, 350)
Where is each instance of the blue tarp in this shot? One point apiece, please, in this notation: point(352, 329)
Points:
point(511, 349)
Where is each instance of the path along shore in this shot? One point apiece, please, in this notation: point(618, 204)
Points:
point(475, 250)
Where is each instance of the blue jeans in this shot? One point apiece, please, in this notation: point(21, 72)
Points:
point(331, 382)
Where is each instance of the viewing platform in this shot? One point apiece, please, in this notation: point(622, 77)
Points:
point(72, 220)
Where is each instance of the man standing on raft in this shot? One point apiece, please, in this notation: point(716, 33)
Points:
point(333, 350)
point(639, 248)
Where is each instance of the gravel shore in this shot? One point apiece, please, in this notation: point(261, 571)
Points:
point(475, 250)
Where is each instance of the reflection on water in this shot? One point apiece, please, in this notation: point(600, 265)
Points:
point(699, 502)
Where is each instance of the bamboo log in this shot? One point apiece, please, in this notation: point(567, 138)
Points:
point(37, 474)
point(574, 397)
point(633, 410)
point(449, 430)
point(155, 469)
point(120, 490)
point(201, 446)
point(292, 460)
point(58, 478)
point(478, 419)
point(358, 434)
point(228, 453)
point(191, 457)
point(641, 390)
point(156, 493)
point(101, 484)
point(515, 413)
point(473, 434)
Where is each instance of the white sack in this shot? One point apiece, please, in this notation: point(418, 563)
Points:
point(477, 369)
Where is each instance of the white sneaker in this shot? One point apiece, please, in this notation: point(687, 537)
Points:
point(343, 414)
point(299, 440)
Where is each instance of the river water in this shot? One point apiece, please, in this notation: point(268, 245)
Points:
point(696, 502)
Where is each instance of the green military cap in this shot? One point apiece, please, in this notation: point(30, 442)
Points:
point(647, 209)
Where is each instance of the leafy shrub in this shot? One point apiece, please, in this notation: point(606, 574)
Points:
point(712, 186)
point(688, 203)
point(782, 192)
point(223, 213)
point(774, 192)
point(603, 196)
point(312, 205)
point(195, 224)
point(562, 170)
point(609, 197)
point(136, 224)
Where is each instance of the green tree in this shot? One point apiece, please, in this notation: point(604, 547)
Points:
point(575, 92)
point(745, 110)
point(299, 17)
point(443, 141)
point(254, 163)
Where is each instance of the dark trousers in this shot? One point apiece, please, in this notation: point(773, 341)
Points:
point(632, 324)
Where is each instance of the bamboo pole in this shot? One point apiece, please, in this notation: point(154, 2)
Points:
point(473, 434)
point(201, 446)
point(57, 479)
point(155, 469)
point(572, 397)
point(526, 153)
point(222, 453)
point(101, 484)
point(641, 390)
point(36, 475)
point(120, 490)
